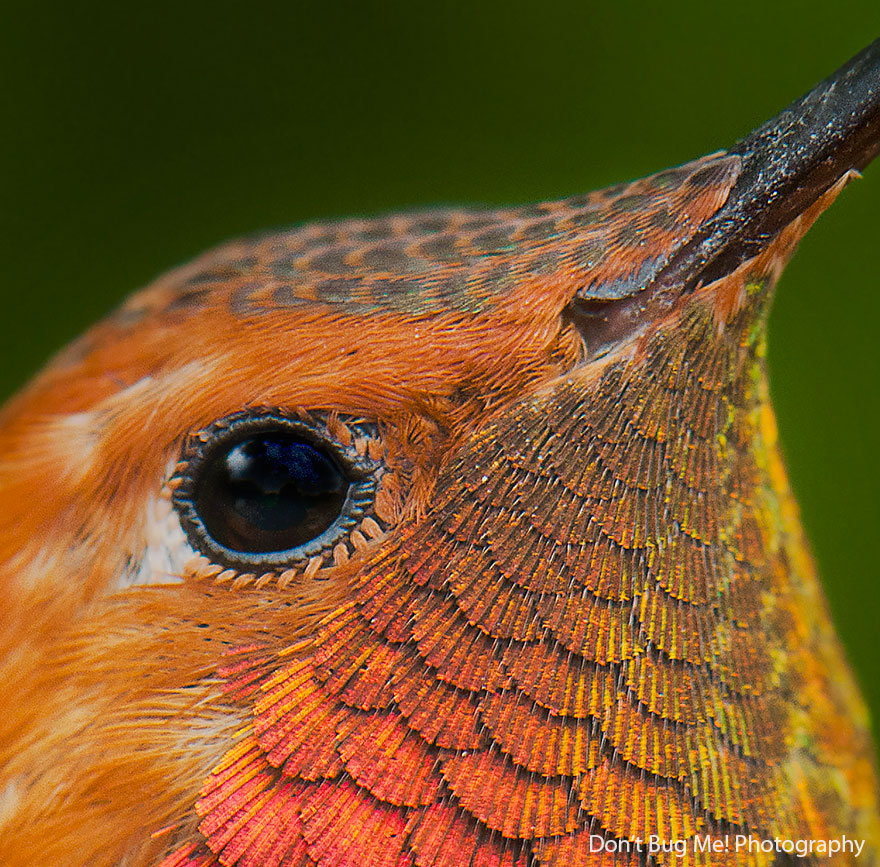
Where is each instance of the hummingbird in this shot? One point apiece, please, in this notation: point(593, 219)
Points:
point(457, 538)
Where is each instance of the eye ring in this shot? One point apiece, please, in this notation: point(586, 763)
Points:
point(202, 451)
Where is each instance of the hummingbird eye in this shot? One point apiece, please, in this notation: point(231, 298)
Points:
point(261, 490)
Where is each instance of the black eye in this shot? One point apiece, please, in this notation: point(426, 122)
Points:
point(265, 490)
point(269, 492)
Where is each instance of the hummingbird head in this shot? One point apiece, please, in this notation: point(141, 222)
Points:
point(380, 541)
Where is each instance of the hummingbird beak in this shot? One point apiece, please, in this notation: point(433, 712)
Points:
point(787, 165)
point(784, 168)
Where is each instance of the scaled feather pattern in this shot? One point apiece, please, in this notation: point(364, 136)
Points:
point(579, 605)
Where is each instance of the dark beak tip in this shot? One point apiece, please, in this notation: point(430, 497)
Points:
point(787, 164)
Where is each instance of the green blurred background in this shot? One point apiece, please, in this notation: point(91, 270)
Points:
point(132, 136)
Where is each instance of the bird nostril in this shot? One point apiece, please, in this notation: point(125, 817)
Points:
point(603, 325)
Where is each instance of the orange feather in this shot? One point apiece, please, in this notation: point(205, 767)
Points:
point(573, 603)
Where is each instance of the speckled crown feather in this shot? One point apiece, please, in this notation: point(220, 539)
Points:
point(580, 616)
